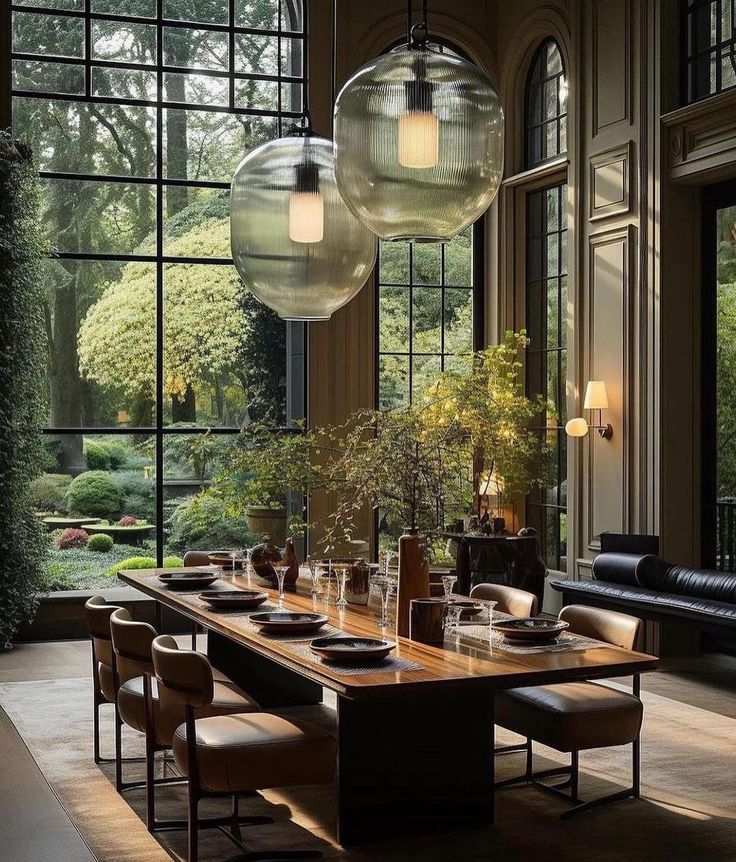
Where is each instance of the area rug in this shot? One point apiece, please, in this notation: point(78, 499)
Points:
point(689, 813)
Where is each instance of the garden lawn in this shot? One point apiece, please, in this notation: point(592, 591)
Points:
point(82, 569)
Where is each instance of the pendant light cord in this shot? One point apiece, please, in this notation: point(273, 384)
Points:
point(306, 64)
point(333, 58)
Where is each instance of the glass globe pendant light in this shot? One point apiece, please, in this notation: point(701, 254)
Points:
point(296, 245)
point(419, 141)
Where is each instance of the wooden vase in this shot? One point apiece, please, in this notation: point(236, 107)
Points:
point(413, 578)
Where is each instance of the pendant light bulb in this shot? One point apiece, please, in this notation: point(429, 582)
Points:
point(306, 217)
point(419, 140)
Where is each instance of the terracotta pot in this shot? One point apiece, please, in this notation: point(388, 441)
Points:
point(264, 521)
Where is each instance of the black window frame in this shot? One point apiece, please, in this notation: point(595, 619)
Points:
point(538, 59)
point(159, 430)
point(718, 47)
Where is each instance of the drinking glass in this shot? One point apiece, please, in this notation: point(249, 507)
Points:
point(453, 612)
point(382, 585)
point(248, 565)
point(234, 556)
point(315, 574)
point(488, 608)
point(280, 576)
point(448, 582)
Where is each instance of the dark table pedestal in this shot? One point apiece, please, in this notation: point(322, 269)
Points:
point(400, 771)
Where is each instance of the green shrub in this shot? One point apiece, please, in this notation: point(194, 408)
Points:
point(203, 523)
point(106, 454)
point(48, 490)
point(23, 545)
point(138, 494)
point(94, 493)
point(143, 563)
point(100, 542)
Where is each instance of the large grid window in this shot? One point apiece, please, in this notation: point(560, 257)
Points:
point(546, 302)
point(425, 314)
point(137, 122)
point(710, 40)
point(546, 106)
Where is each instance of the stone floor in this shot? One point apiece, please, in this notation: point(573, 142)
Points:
point(689, 759)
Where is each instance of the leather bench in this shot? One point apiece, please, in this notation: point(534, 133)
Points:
point(627, 576)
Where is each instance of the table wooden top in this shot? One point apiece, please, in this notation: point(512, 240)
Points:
point(466, 663)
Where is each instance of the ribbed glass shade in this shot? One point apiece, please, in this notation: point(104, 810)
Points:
point(419, 139)
point(296, 245)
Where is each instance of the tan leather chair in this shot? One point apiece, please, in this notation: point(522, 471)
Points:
point(197, 558)
point(576, 716)
point(232, 755)
point(138, 702)
point(509, 600)
point(105, 678)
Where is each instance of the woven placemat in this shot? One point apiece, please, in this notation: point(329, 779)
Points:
point(390, 664)
point(562, 643)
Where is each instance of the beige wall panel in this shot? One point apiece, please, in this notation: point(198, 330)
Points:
point(611, 53)
point(609, 344)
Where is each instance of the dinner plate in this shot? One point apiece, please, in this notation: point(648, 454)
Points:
point(350, 649)
point(183, 580)
point(530, 629)
point(234, 598)
point(469, 609)
point(288, 622)
point(222, 559)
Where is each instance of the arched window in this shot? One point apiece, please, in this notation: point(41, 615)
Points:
point(710, 47)
point(546, 106)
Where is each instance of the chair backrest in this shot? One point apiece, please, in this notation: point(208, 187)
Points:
point(197, 558)
point(131, 641)
point(615, 628)
point(509, 600)
point(98, 614)
point(184, 676)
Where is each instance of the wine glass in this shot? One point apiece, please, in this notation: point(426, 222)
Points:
point(281, 572)
point(315, 574)
point(488, 607)
point(448, 582)
point(248, 565)
point(382, 585)
point(342, 572)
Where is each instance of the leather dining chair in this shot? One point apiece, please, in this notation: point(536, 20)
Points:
point(509, 600)
point(139, 708)
point(105, 680)
point(234, 755)
point(577, 716)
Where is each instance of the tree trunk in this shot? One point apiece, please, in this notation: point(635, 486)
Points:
point(184, 409)
point(176, 128)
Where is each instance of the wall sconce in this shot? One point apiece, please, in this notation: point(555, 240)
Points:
point(596, 398)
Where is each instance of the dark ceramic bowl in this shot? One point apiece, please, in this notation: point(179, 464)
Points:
point(234, 598)
point(287, 622)
point(352, 650)
point(530, 629)
point(184, 580)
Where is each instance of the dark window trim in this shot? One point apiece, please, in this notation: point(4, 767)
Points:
point(559, 116)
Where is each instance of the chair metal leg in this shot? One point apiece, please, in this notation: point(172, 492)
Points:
point(96, 730)
point(118, 752)
point(194, 635)
point(193, 824)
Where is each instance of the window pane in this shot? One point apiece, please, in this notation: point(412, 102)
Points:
point(90, 483)
point(141, 8)
point(426, 263)
point(48, 35)
point(82, 138)
point(124, 83)
point(546, 105)
point(393, 382)
point(426, 320)
point(424, 372)
point(196, 89)
point(86, 216)
point(394, 262)
point(48, 77)
point(253, 93)
point(459, 259)
point(458, 321)
point(196, 222)
point(129, 43)
point(393, 320)
point(260, 14)
point(196, 49)
point(211, 12)
point(203, 145)
point(53, 4)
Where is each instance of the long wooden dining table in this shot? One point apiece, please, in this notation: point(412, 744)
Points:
point(415, 745)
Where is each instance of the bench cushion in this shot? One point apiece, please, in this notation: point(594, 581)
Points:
point(689, 608)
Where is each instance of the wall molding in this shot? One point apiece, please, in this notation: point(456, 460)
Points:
point(598, 22)
point(610, 188)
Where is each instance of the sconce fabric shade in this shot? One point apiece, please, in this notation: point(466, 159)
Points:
point(419, 144)
point(577, 427)
point(596, 397)
point(296, 245)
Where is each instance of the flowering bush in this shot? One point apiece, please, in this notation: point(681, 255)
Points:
point(127, 521)
point(72, 538)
